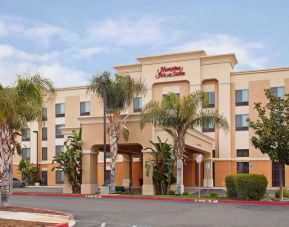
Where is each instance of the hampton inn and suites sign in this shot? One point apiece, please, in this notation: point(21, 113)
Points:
point(170, 71)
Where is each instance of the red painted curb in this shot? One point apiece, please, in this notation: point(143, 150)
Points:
point(270, 203)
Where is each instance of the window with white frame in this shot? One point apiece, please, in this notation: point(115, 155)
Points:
point(60, 110)
point(84, 108)
point(242, 97)
point(241, 122)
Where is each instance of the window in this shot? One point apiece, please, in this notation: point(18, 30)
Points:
point(241, 122)
point(275, 174)
point(59, 174)
point(59, 149)
point(26, 154)
point(44, 177)
point(58, 132)
point(242, 152)
point(44, 114)
point(242, 97)
point(242, 167)
point(44, 153)
point(84, 108)
point(278, 91)
point(211, 100)
point(60, 110)
point(26, 134)
point(137, 104)
point(213, 154)
point(208, 127)
point(177, 94)
point(44, 134)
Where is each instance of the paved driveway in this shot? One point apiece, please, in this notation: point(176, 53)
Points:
point(140, 213)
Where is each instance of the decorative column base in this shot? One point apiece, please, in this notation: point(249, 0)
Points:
point(67, 189)
point(208, 183)
point(173, 188)
point(148, 189)
point(88, 188)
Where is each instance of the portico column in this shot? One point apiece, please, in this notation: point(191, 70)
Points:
point(89, 172)
point(208, 174)
point(148, 185)
point(126, 181)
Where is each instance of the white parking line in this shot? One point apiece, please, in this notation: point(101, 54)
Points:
point(102, 224)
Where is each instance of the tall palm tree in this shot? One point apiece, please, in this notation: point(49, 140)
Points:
point(119, 91)
point(19, 104)
point(176, 116)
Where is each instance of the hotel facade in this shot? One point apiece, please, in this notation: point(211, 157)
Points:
point(231, 93)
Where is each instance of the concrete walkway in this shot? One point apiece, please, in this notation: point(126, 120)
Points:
point(36, 217)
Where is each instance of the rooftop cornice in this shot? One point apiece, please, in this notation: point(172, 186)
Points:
point(128, 68)
point(213, 59)
point(260, 71)
point(172, 57)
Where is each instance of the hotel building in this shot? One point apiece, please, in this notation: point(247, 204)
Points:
point(231, 93)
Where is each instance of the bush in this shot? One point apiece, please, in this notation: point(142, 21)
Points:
point(285, 193)
point(171, 192)
point(231, 186)
point(186, 193)
point(246, 186)
point(214, 194)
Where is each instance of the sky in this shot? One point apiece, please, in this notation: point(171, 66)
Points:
point(68, 41)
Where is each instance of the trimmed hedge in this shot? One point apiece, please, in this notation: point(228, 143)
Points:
point(246, 186)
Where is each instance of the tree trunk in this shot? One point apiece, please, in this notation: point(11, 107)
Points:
point(6, 153)
point(180, 149)
point(281, 181)
point(114, 137)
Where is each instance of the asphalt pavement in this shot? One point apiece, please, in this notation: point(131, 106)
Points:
point(91, 212)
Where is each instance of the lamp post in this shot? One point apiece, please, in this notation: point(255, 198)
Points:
point(37, 162)
point(101, 81)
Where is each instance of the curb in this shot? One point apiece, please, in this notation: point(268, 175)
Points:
point(70, 216)
point(264, 203)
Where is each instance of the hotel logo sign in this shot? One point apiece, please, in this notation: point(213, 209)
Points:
point(170, 71)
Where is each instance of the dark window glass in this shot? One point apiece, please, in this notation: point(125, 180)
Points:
point(242, 97)
point(214, 154)
point(242, 167)
point(59, 174)
point(211, 100)
point(26, 154)
point(177, 94)
point(26, 134)
point(44, 134)
point(43, 177)
point(241, 122)
point(60, 110)
point(242, 152)
point(275, 174)
point(84, 108)
point(44, 153)
point(58, 132)
point(208, 127)
point(137, 104)
point(44, 114)
point(278, 91)
point(59, 149)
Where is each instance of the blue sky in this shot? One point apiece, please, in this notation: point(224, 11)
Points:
point(70, 40)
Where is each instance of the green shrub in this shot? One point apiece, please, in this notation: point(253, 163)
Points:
point(231, 186)
point(185, 194)
point(171, 192)
point(246, 186)
point(285, 193)
point(214, 194)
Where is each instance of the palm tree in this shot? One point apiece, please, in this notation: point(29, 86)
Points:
point(119, 93)
point(176, 116)
point(19, 104)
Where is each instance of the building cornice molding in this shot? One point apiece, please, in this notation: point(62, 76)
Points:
point(260, 71)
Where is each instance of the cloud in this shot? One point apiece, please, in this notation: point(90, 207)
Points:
point(62, 76)
point(39, 32)
point(246, 52)
point(125, 31)
point(82, 53)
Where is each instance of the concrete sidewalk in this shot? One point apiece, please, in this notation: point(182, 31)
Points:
point(36, 217)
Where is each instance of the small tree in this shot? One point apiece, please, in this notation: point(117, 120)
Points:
point(28, 171)
point(164, 165)
point(70, 161)
point(272, 131)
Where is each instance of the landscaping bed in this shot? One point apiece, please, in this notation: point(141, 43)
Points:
point(14, 223)
point(30, 210)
